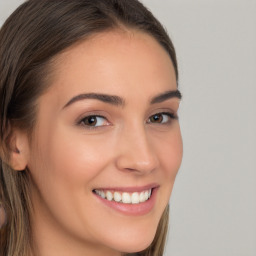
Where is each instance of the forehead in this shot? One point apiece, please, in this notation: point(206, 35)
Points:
point(114, 62)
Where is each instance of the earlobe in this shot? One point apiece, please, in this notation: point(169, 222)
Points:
point(18, 151)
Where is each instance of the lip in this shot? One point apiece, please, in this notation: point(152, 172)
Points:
point(130, 189)
point(131, 209)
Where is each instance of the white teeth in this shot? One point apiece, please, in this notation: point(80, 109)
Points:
point(109, 195)
point(149, 192)
point(102, 194)
point(117, 197)
point(135, 198)
point(125, 197)
point(146, 195)
point(142, 197)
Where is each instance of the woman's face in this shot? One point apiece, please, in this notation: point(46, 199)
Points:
point(107, 127)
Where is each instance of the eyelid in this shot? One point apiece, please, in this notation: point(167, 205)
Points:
point(81, 119)
point(173, 115)
point(87, 113)
point(170, 114)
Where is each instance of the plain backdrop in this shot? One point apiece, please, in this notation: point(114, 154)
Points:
point(213, 205)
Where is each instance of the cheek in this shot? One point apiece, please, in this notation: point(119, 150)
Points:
point(72, 154)
point(64, 167)
point(170, 152)
point(63, 162)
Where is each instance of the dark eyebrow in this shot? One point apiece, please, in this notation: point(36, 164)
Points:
point(120, 102)
point(165, 96)
point(111, 99)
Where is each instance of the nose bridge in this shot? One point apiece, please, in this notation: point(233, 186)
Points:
point(136, 153)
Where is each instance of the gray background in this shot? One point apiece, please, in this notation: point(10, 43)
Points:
point(213, 205)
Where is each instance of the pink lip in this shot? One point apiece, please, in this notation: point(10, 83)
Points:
point(131, 189)
point(131, 209)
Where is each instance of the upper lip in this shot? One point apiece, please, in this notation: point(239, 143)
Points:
point(130, 188)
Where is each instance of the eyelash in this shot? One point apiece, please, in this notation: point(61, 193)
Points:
point(168, 114)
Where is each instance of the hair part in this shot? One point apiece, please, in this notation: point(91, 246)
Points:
point(30, 39)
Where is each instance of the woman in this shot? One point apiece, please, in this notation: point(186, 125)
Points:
point(90, 139)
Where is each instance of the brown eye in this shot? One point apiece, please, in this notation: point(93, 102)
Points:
point(158, 118)
point(161, 118)
point(90, 120)
point(94, 121)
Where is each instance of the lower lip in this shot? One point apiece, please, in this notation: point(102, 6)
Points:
point(132, 209)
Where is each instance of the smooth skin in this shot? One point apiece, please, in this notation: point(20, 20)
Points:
point(125, 145)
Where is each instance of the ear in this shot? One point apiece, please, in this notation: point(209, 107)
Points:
point(19, 149)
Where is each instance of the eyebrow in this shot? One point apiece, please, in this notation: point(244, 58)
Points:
point(120, 102)
point(166, 96)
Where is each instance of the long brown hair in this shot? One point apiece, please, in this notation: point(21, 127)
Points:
point(29, 40)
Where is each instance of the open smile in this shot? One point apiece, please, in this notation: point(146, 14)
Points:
point(125, 197)
point(132, 201)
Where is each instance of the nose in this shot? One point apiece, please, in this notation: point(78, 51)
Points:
point(136, 152)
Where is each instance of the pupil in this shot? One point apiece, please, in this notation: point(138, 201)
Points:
point(157, 118)
point(92, 120)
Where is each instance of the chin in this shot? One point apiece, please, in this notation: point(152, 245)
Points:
point(134, 243)
point(138, 247)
